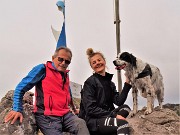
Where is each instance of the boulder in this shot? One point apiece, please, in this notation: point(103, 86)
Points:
point(28, 127)
point(159, 122)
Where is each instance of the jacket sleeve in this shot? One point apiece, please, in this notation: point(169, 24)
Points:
point(27, 83)
point(90, 103)
point(120, 98)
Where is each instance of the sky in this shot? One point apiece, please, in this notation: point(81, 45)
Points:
point(149, 30)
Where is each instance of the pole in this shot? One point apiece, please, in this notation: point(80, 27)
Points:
point(117, 22)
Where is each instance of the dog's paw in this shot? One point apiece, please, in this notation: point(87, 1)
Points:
point(132, 113)
point(148, 111)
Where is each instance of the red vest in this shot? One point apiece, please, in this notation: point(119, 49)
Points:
point(52, 96)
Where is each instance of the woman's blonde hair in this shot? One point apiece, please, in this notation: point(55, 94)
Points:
point(90, 53)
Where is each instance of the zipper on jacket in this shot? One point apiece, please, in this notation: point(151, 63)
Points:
point(63, 78)
point(50, 103)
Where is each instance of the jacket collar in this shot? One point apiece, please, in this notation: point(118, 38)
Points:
point(107, 76)
point(51, 65)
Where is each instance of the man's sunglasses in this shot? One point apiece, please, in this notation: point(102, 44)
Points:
point(62, 59)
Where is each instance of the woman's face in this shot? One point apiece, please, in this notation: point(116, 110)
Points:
point(98, 64)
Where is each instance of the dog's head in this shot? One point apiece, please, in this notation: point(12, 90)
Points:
point(123, 60)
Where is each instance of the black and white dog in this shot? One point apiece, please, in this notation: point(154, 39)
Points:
point(144, 77)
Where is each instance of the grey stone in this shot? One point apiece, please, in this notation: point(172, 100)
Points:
point(28, 127)
point(159, 122)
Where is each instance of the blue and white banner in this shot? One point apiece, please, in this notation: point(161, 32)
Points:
point(60, 36)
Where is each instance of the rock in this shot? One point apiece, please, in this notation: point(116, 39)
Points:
point(28, 127)
point(174, 107)
point(159, 122)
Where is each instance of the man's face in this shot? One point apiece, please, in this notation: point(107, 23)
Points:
point(62, 60)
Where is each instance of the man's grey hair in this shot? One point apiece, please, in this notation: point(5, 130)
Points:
point(60, 48)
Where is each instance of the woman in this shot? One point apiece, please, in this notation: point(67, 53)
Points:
point(97, 99)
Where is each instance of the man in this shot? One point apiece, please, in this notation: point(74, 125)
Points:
point(52, 97)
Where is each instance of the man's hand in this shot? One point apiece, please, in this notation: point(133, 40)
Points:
point(76, 111)
point(13, 115)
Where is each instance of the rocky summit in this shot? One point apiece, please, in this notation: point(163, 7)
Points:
point(28, 127)
point(159, 122)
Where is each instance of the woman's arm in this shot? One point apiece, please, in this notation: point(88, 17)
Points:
point(120, 98)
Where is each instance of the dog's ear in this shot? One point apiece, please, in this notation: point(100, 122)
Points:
point(124, 56)
point(133, 60)
point(128, 58)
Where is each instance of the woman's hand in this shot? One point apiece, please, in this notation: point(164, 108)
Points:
point(127, 79)
point(13, 115)
point(120, 117)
